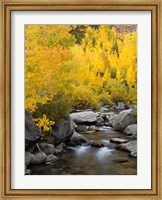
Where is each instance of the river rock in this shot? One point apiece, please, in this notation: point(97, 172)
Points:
point(131, 130)
point(120, 106)
point(124, 119)
point(92, 128)
point(130, 147)
point(97, 144)
point(28, 158)
point(100, 121)
point(85, 117)
point(51, 158)
point(104, 109)
point(39, 158)
point(62, 131)
point(111, 118)
point(118, 140)
point(81, 128)
point(27, 172)
point(133, 154)
point(46, 148)
point(58, 149)
point(78, 137)
point(32, 132)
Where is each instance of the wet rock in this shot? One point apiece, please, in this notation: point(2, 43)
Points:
point(78, 137)
point(81, 128)
point(92, 128)
point(133, 154)
point(27, 172)
point(131, 130)
point(85, 117)
point(39, 158)
point(97, 144)
point(28, 158)
point(100, 121)
point(104, 109)
point(70, 144)
point(51, 158)
point(58, 149)
point(118, 140)
point(130, 147)
point(32, 132)
point(62, 131)
point(111, 117)
point(47, 148)
point(120, 106)
point(124, 119)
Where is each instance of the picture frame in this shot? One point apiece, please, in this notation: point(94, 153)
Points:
point(5, 126)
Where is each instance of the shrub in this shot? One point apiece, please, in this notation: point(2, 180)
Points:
point(83, 97)
point(118, 91)
point(105, 98)
point(55, 110)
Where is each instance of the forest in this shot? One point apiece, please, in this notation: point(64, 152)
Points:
point(77, 67)
point(80, 100)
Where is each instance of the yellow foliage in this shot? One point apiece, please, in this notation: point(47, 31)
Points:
point(44, 123)
point(101, 67)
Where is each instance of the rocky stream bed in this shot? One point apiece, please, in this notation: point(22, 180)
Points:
point(88, 142)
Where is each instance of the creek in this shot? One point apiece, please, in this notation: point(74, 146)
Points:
point(87, 160)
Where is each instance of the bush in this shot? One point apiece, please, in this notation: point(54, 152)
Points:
point(55, 110)
point(118, 91)
point(105, 98)
point(83, 97)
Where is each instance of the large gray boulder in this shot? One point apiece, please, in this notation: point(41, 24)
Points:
point(47, 148)
point(111, 116)
point(62, 131)
point(131, 130)
point(130, 147)
point(32, 132)
point(39, 158)
point(86, 117)
point(28, 158)
point(51, 158)
point(78, 137)
point(124, 119)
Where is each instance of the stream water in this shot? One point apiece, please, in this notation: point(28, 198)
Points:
point(87, 160)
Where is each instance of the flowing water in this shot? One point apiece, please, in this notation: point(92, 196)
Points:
point(87, 160)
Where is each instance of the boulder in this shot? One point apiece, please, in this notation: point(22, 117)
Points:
point(131, 130)
point(27, 172)
point(92, 128)
point(46, 148)
point(32, 132)
point(130, 147)
point(124, 119)
point(58, 149)
point(78, 137)
point(111, 117)
point(62, 131)
point(28, 158)
point(104, 109)
point(120, 106)
point(51, 158)
point(81, 128)
point(97, 144)
point(85, 117)
point(100, 121)
point(133, 154)
point(118, 140)
point(39, 158)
